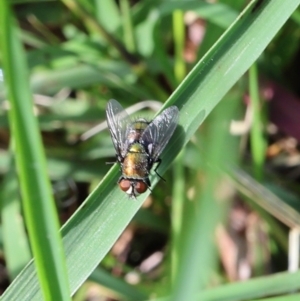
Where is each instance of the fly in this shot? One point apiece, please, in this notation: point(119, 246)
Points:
point(138, 144)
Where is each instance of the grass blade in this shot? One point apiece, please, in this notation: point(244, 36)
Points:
point(92, 230)
point(13, 230)
point(40, 215)
point(258, 145)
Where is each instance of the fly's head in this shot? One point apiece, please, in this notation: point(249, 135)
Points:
point(133, 187)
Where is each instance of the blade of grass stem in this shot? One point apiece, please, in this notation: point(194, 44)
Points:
point(264, 197)
point(179, 42)
point(177, 212)
point(217, 13)
point(117, 285)
point(258, 145)
point(295, 297)
point(40, 215)
point(260, 287)
point(294, 243)
point(197, 248)
point(129, 40)
point(82, 12)
point(13, 228)
point(96, 225)
point(107, 12)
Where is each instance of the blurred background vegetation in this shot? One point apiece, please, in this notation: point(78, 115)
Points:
point(241, 168)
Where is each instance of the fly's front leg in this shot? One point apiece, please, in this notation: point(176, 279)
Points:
point(148, 183)
point(120, 179)
point(158, 161)
point(119, 160)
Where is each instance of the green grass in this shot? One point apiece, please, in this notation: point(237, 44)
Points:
point(38, 204)
point(107, 59)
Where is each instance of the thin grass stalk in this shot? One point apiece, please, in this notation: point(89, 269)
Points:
point(179, 42)
point(129, 40)
point(258, 144)
point(38, 204)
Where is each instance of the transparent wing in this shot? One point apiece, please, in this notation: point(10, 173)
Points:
point(118, 122)
point(159, 131)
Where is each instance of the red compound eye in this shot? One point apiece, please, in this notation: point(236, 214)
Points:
point(125, 185)
point(140, 187)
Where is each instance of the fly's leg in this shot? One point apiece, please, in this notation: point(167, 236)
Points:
point(108, 163)
point(148, 183)
point(119, 160)
point(158, 161)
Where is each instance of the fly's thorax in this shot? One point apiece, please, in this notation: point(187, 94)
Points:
point(136, 148)
point(136, 130)
point(135, 164)
point(140, 124)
